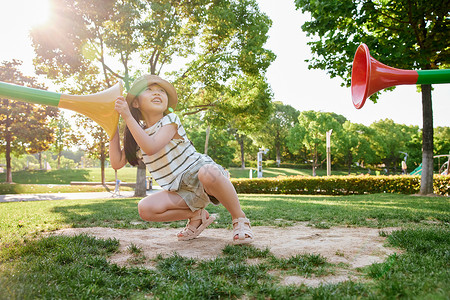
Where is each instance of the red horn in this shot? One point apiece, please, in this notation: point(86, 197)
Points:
point(369, 76)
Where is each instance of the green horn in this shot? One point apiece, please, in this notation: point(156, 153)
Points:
point(27, 94)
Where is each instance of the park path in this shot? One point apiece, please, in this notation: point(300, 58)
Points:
point(68, 196)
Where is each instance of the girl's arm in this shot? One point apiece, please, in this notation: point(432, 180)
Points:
point(149, 144)
point(116, 155)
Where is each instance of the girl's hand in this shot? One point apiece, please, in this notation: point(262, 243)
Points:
point(121, 106)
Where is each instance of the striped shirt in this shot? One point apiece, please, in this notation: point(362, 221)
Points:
point(169, 164)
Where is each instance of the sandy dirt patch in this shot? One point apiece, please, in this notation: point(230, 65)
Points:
point(355, 247)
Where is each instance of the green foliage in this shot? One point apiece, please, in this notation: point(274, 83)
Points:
point(393, 30)
point(339, 185)
point(414, 149)
point(219, 148)
point(442, 140)
point(219, 141)
point(220, 42)
point(388, 140)
point(63, 139)
point(441, 145)
point(400, 34)
point(24, 127)
point(274, 134)
point(310, 132)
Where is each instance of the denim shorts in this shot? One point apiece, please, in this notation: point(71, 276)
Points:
point(191, 189)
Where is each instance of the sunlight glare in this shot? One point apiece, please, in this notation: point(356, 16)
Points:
point(39, 11)
point(24, 13)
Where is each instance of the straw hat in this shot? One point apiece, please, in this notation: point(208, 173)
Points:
point(145, 81)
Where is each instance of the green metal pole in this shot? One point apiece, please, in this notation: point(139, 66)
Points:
point(22, 93)
point(433, 76)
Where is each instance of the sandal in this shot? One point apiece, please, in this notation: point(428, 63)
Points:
point(243, 231)
point(190, 232)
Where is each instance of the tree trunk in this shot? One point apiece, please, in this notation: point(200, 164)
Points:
point(102, 161)
point(350, 160)
point(314, 161)
point(141, 189)
point(8, 157)
point(388, 166)
point(278, 151)
point(426, 183)
point(208, 129)
point(59, 160)
point(240, 141)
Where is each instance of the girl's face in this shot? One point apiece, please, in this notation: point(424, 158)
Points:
point(153, 99)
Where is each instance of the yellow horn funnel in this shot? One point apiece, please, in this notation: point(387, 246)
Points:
point(99, 107)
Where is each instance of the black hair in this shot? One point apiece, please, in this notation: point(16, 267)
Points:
point(130, 144)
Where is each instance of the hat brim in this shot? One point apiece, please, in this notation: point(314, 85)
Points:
point(145, 81)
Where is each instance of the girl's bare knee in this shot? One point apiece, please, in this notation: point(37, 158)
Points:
point(145, 210)
point(209, 175)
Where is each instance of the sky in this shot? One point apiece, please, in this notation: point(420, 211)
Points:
point(291, 81)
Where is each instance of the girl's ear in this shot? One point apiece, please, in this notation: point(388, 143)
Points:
point(135, 103)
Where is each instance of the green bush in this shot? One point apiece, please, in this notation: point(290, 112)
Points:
point(339, 185)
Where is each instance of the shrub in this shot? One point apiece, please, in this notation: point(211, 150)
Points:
point(339, 185)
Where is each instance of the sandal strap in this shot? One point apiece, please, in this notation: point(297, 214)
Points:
point(242, 228)
point(241, 221)
point(190, 232)
point(189, 229)
point(200, 216)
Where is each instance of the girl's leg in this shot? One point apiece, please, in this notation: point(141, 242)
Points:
point(167, 206)
point(217, 185)
point(164, 206)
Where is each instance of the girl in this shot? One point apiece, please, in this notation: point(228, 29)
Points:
point(190, 180)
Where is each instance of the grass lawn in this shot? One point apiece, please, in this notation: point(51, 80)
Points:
point(34, 266)
point(65, 176)
point(58, 181)
point(55, 181)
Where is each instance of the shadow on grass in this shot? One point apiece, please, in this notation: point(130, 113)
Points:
point(115, 213)
point(364, 210)
point(275, 210)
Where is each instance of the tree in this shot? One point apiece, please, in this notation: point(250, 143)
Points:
point(442, 143)
point(403, 34)
point(63, 137)
point(24, 127)
point(310, 132)
point(230, 48)
point(414, 149)
point(219, 148)
point(226, 76)
point(251, 106)
point(221, 40)
point(442, 140)
point(274, 133)
point(353, 145)
point(389, 142)
point(242, 108)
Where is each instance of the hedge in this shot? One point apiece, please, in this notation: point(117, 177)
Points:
point(339, 185)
